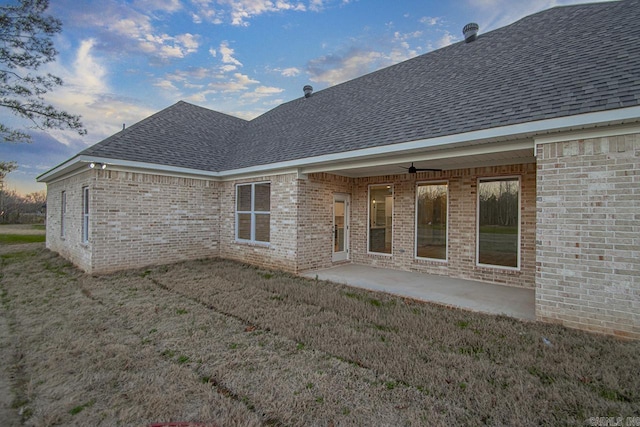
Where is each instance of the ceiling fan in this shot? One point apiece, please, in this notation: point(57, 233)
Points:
point(413, 169)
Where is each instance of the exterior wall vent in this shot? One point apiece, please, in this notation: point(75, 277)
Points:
point(308, 90)
point(470, 32)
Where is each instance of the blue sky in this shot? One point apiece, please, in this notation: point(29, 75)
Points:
point(124, 60)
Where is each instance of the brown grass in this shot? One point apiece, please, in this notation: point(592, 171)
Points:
point(221, 343)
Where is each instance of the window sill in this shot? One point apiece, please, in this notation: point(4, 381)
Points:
point(252, 243)
point(380, 254)
point(438, 261)
point(500, 268)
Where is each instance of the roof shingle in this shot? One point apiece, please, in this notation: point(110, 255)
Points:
point(560, 62)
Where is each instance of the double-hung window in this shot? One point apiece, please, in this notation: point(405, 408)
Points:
point(63, 211)
point(85, 214)
point(253, 212)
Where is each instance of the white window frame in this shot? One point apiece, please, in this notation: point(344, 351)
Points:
point(63, 212)
point(85, 214)
point(415, 247)
point(393, 196)
point(253, 213)
point(499, 178)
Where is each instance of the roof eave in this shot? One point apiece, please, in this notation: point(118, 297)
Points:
point(76, 163)
point(356, 158)
point(517, 132)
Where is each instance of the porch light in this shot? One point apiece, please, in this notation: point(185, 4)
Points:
point(92, 165)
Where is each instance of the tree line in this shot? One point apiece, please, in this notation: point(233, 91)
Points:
point(17, 208)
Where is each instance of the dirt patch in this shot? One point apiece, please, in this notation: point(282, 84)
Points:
point(222, 343)
point(8, 414)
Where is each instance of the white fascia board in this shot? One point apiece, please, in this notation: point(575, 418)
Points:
point(82, 161)
point(55, 171)
point(588, 133)
point(511, 131)
point(514, 132)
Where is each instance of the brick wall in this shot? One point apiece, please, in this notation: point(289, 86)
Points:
point(315, 219)
point(462, 224)
point(141, 219)
point(135, 220)
point(315, 236)
point(70, 245)
point(281, 252)
point(588, 237)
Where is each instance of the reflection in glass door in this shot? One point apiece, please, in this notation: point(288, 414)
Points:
point(340, 227)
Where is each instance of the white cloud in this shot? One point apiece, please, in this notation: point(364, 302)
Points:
point(227, 54)
point(131, 30)
point(332, 69)
point(162, 5)
point(335, 69)
point(88, 74)
point(236, 83)
point(188, 41)
point(187, 76)
point(492, 14)
point(166, 85)
point(316, 5)
point(262, 92)
point(86, 92)
point(205, 12)
point(446, 39)
point(430, 20)
point(240, 11)
point(266, 90)
point(290, 72)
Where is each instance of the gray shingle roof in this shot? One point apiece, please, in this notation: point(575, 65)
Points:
point(183, 135)
point(559, 62)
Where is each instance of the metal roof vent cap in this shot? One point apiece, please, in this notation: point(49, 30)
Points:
point(470, 32)
point(308, 90)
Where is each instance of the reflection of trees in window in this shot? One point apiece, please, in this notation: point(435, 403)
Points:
point(431, 216)
point(499, 202)
point(498, 221)
point(380, 218)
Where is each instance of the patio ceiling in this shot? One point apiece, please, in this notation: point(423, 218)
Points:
point(471, 156)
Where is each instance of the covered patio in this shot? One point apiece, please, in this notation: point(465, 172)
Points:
point(466, 294)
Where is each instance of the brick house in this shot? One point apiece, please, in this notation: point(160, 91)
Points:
point(512, 157)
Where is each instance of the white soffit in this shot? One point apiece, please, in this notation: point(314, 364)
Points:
point(476, 145)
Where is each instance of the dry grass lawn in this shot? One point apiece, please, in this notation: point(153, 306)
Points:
point(226, 344)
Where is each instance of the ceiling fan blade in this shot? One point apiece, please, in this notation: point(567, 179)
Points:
point(413, 169)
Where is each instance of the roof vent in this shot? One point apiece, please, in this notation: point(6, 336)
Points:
point(308, 90)
point(470, 32)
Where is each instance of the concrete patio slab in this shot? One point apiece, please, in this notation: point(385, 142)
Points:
point(466, 294)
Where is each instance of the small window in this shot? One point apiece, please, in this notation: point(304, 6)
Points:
point(380, 218)
point(85, 214)
point(499, 222)
point(253, 212)
point(63, 211)
point(431, 221)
